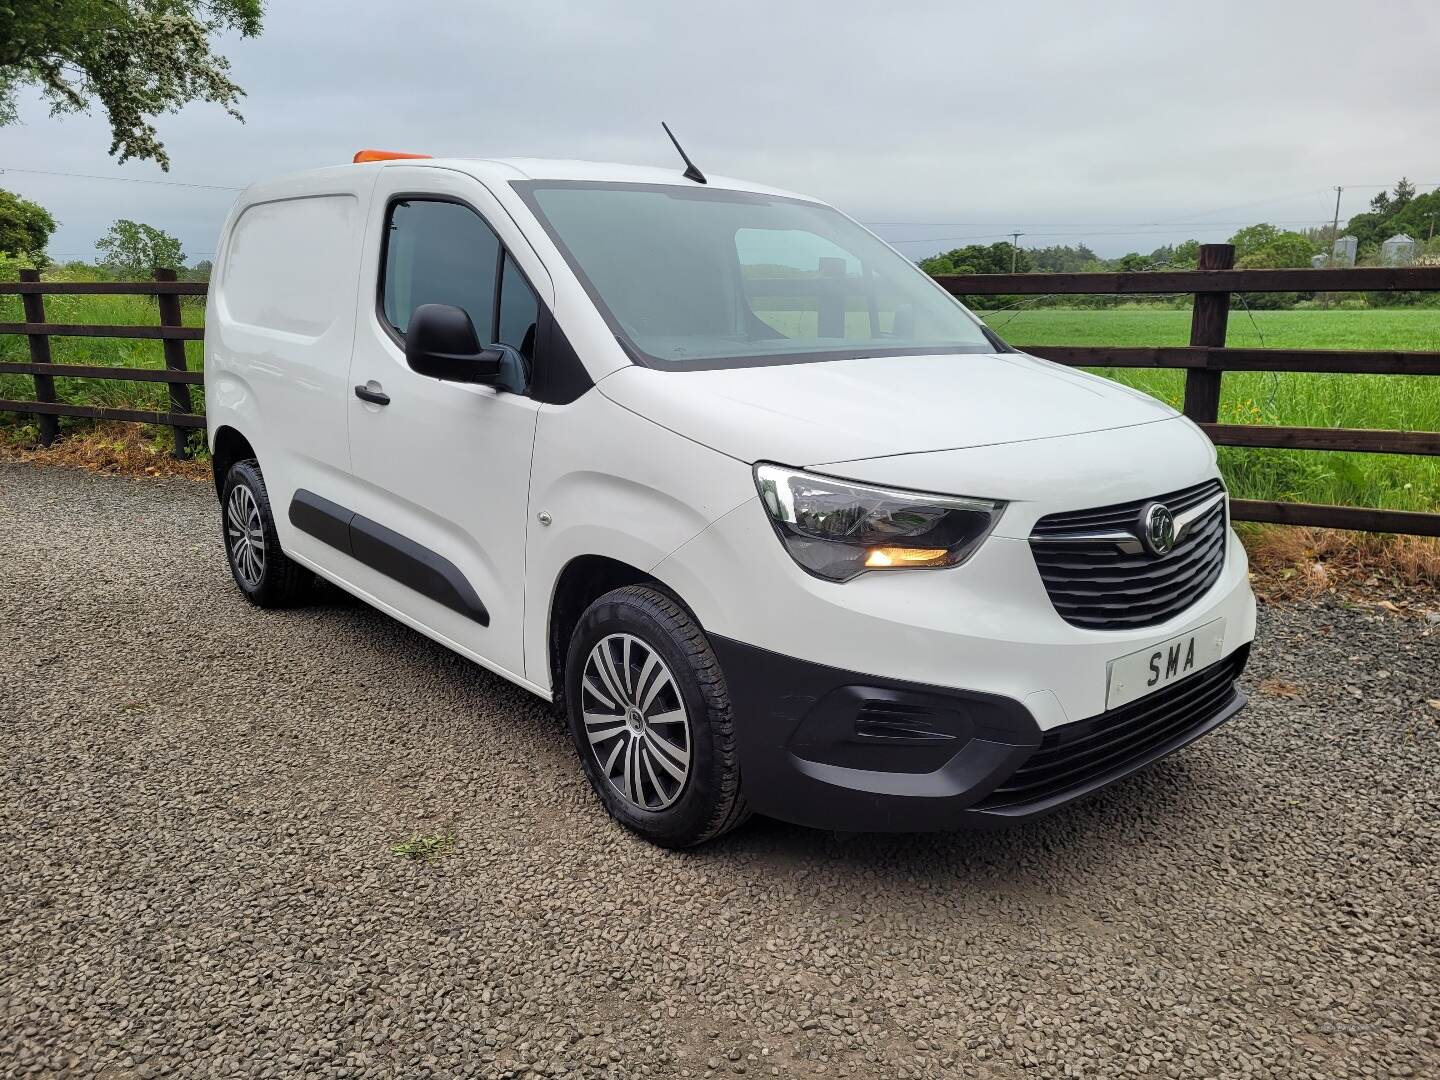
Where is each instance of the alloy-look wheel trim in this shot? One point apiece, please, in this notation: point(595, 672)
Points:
point(636, 722)
point(245, 535)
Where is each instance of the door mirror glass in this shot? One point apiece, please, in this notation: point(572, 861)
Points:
point(440, 342)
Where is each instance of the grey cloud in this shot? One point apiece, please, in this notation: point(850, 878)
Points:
point(1048, 117)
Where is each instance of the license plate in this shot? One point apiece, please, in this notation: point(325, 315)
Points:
point(1140, 673)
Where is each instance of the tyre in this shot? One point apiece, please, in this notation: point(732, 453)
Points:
point(651, 721)
point(266, 576)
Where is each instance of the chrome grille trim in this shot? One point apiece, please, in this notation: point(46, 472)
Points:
point(1099, 576)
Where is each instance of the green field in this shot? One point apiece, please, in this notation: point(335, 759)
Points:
point(1406, 402)
point(1377, 328)
point(1400, 402)
point(111, 352)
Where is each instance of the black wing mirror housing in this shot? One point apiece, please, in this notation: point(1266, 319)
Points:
point(441, 343)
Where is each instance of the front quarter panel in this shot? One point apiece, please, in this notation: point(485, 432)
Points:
point(612, 483)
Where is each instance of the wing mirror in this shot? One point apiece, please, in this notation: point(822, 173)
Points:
point(442, 344)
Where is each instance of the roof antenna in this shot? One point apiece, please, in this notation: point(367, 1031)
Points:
point(691, 172)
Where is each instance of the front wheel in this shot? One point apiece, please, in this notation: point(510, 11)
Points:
point(265, 574)
point(651, 721)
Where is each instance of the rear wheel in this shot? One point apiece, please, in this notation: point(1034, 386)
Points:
point(650, 719)
point(265, 574)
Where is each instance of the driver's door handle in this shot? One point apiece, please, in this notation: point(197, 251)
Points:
point(375, 397)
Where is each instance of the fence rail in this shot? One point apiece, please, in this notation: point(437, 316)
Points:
point(1213, 278)
point(47, 409)
point(1204, 360)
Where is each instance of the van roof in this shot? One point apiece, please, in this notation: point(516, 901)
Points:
point(502, 170)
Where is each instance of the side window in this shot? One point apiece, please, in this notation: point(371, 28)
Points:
point(440, 253)
point(519, 311)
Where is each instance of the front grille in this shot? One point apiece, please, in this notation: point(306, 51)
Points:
point(1075, 755)
point(1094, 584)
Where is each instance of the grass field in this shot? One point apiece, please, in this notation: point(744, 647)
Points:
point(1405, 402)
point(1380, 480)
point(112, 352)
point(1377, 328)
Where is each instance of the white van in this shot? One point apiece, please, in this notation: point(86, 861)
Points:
point(776, 522)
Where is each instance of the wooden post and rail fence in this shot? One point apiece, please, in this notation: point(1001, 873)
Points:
point(1204, 360)
point(47, 408)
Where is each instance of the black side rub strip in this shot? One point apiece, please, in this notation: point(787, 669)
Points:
point(322, 519)
point(387, 551)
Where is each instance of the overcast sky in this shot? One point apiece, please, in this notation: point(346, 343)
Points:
point(1123, 125)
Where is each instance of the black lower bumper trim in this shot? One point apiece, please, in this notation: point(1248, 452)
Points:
point(837, 749)
point(1091, 753)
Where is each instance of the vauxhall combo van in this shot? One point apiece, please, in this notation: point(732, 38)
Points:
point(775, 522)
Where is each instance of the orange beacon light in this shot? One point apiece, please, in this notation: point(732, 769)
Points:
point(383, 155)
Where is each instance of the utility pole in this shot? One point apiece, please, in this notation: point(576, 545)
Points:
point(1334, 242)
point(1335, 225)
point(1014, 249)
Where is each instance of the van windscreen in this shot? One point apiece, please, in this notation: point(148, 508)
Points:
point(692, 277)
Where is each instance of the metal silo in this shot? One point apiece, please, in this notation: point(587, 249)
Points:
point(1399, 250)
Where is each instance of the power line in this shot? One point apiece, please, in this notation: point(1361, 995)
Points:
point(1098, 233)
point(1194, 219)
point(1124, 228)
point(1242, 206)
point(121, 179)
point(89, 254)
point(1085, 224)
point(1064, 224)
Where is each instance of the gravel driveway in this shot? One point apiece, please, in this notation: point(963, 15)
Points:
point(198, 799)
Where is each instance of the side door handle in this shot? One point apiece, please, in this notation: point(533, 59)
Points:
point(375, 397)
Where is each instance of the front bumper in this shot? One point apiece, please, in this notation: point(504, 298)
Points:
point(987, 626)
point(836, 749)
point(979, 650)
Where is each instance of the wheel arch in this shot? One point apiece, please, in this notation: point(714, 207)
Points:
point(227, 447)
point(582, 581)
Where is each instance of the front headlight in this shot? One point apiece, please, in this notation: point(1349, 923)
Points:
point(836, 529)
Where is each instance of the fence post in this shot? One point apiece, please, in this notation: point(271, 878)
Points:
point(830, 311)
point(175, 361)
point(1207, 328)
point(40, 354)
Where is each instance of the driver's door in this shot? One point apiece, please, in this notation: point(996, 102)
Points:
point(441, 470)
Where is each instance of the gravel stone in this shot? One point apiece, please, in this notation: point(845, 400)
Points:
point(198, 798)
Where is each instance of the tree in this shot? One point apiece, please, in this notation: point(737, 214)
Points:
point(25, 227)
point(1287, 249)
point(133, 249)
point(1394, 212)
point(978, 259)
point(1186, 255)
point(1252, 238)
point(1281, 250)
point(1062, 258)
point(137, 58)
point(1419, 217)
point(1386, 204)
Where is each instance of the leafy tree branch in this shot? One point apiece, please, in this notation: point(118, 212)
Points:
point(137, 58)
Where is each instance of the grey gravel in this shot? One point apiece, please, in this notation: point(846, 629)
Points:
point(197, 801)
